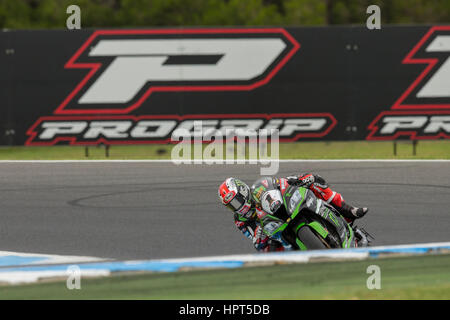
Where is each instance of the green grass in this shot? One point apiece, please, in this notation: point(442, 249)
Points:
point(365, 150)
point(424, 277)
point(298, 150)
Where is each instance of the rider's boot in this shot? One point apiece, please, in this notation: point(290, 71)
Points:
point(351, 213)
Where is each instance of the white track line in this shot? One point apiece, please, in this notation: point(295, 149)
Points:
point(40, 258)
point(257, 162)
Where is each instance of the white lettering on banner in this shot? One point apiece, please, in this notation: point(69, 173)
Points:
point(210, 129)
point(439, 84)
point(139, 61)
point(427, 124)
point(394, 124)
point(108, 129)
point(438, 123)
point(52, 129)
point(241, 126)
point(294, 125)
point(163, 128)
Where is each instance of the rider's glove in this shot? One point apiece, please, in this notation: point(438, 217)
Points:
point(270, 228)
point(305, 180)
point(260, 240)
point(243, 227)
point(277, 237)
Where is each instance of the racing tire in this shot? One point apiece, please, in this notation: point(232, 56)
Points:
point(310, 239)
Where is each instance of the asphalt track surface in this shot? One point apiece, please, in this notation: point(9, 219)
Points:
point(160, 210)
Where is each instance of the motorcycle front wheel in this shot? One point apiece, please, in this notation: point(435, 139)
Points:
point(310, 239)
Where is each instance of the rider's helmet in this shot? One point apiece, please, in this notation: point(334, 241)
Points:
point(266, 195)
point(260, 186)
point(235, 195)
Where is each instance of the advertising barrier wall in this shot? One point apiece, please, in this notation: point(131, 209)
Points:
point(129, 86)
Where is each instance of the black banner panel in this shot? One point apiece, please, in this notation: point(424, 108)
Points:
point(136, 86)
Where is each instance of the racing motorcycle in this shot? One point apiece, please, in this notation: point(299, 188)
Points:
point(308, 223)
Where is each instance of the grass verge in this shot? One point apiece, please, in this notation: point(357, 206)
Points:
point(297, 150)
point(419, 277)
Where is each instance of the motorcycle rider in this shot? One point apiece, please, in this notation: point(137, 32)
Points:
point(246, 205)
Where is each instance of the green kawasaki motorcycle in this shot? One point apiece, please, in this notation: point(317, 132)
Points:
point(298, 217)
